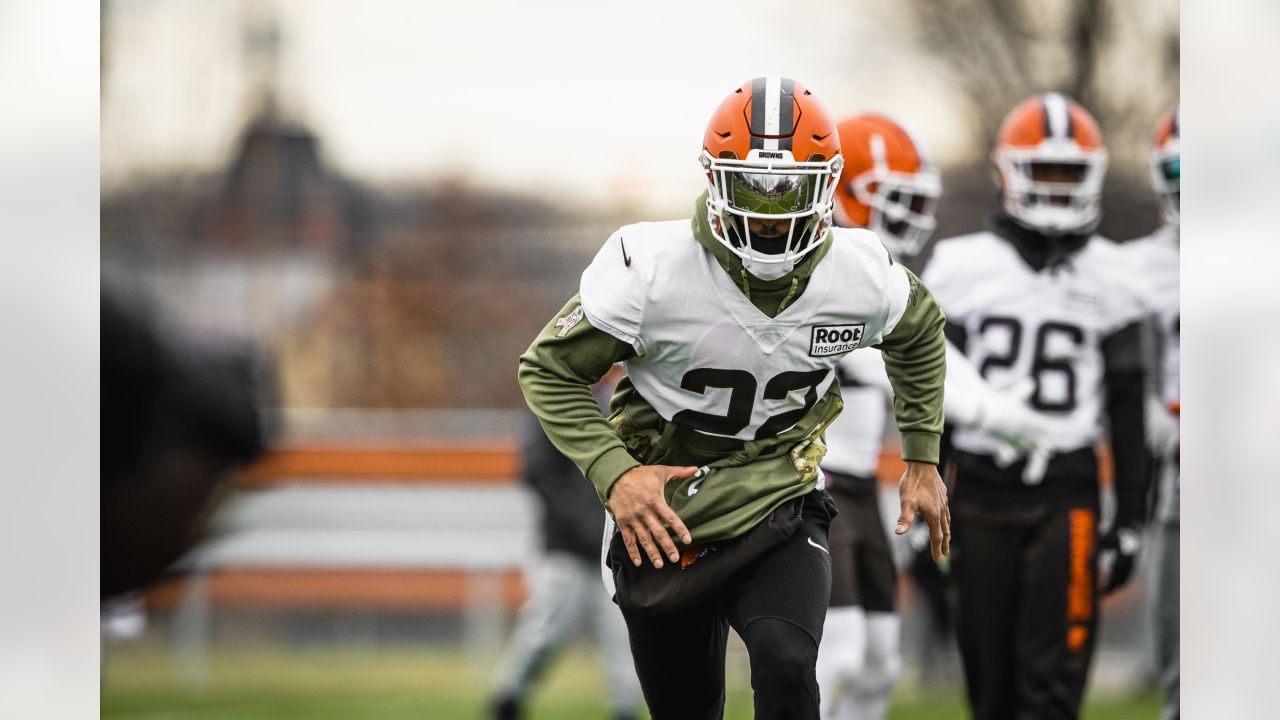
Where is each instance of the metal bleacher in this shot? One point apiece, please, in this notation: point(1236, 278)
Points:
point(366, 511)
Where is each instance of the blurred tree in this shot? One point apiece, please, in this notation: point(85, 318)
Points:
point(1119, 59)
point(1000, 51)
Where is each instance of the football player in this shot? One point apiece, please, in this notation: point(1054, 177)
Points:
point(1156, 257)
point(730, 325)
point(1040, 297)
point(889, 186)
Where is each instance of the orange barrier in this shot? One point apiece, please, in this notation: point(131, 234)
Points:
point(305, 589)
point(490, 464)
point(350, 462)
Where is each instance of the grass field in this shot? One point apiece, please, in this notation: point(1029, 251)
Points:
point(140, 684)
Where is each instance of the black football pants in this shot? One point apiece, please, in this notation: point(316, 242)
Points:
point(777, 605)
point(1027, 607)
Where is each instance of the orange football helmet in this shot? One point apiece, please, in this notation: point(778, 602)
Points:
point(771, 155)
point(1050, 163)
point(888, 184)
point(1166, 164)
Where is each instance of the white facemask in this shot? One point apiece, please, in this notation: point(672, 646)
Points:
point(768, 271)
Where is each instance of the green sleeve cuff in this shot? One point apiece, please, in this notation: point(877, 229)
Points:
point(920, 446)
point(610, 466)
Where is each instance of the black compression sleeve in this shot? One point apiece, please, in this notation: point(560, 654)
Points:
point(1124, 381)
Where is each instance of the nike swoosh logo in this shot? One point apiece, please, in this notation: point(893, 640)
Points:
point(625, 259)
point(811, 542)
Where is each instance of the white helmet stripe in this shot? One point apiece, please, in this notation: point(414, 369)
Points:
point(1057, 118)
point(772, 110)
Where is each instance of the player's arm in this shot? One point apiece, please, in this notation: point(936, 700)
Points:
point(555, 374)
point(915, 359)
point(1125, 388)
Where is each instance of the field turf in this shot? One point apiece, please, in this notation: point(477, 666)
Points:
point(140, 683)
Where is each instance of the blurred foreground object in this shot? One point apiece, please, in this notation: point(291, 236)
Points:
point(176, 420)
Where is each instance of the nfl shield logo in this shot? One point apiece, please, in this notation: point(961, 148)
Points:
point(567, 322)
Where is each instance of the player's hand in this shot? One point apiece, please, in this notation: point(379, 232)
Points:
point(922, 492)
point(642, 514)
point(1117, 557)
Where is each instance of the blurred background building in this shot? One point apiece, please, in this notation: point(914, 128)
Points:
point(390, 198)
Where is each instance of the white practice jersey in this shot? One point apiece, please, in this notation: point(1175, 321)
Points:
point(1047, 325)
point(1156, 258)
point(710, 360)
point(853, 440)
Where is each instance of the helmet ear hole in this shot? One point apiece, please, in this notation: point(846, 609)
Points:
point(728, 155)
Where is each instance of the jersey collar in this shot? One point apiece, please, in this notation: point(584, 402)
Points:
point(1038, 250)
point(732, 264)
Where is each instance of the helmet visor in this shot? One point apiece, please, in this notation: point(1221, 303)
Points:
point(770, 210)
point(771, 194)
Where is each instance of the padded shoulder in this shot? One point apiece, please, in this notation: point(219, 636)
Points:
point(959, 264)
point(860, 258)
point(870, 279)
point(1118, 272)
point(617, 284)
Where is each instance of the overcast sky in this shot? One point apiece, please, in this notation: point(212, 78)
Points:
point(591, 98)
point(582, 97)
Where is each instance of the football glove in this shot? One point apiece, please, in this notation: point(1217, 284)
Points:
point(1019, 430)
point(1117, 557)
